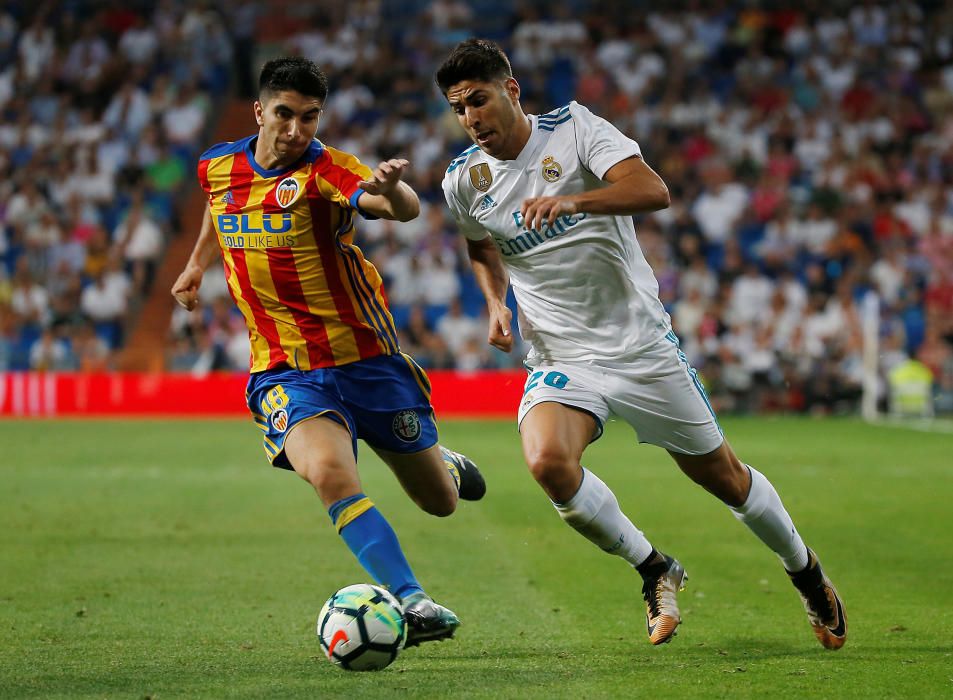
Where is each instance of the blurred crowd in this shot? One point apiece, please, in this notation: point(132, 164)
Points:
point(809, 154)
point(104, 108)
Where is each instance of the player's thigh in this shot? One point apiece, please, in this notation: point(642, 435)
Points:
point(389, 399)
point(555, 434)
point(554, 437)
point(319, 449)
point(660, 395)
point(424, 477)
point(562, 409)
point(302, 409)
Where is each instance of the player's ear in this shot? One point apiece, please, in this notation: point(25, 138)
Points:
point(259, 113)
point(512, 89)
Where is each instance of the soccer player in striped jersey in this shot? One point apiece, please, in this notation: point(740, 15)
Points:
point(325, 365)
point(546, 203)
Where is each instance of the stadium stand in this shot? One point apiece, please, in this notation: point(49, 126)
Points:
point(809, 153)
point(105, 106)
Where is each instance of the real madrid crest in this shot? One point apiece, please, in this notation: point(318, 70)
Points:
point(481, 177)
point(551, 169)
point(287, 192)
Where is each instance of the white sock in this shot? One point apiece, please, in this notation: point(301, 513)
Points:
point(594, 512)
point(765, 516)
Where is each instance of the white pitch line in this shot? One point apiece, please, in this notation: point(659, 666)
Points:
point(922, 425)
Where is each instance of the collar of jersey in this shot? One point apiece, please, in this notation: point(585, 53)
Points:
point(526, 154)
point(310, 155)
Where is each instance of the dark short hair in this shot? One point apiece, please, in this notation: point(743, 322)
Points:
point(293, 73)
point(473, 59)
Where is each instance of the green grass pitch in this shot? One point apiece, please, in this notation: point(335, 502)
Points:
point(167, 560)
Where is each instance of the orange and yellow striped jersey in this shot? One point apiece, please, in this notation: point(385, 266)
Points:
point(309, 297)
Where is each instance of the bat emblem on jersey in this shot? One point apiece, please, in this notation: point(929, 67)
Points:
point(287, 191)
point(481, 177)
point(279, 420)
point(551, 169)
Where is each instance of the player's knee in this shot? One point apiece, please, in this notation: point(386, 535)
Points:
point(440, 505)
point(548, 464)
point(442, 509)
point(327, 478)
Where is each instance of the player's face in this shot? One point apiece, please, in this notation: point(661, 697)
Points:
point(288, 121)
point(491, 115)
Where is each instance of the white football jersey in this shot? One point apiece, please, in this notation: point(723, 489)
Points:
point(583, 287)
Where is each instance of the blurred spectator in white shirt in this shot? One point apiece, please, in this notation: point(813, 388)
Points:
point(408, 285)
point(456, 328)
point(38, 237)
point(139, 241)
point(28, 299)
point(25, 205)
point(473, 355)
point(779, 246)
point(888, 272)
point(698, 276)
point(37, 46)
point(139, 43)
point(720, 206)
point(50, 354)
point(88, 55)
point(103, 302)
point(815, 230)
point(129, 110)
point(750, 296)
point(185, 118)
point(688, 313)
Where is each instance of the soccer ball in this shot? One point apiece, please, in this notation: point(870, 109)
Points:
point(362, 628)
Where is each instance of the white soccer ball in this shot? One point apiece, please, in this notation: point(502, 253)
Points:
point(362, 628)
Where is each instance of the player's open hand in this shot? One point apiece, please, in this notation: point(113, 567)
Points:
point(500, 335)
point(536, 210)
point(385, 177)
point(186, 287)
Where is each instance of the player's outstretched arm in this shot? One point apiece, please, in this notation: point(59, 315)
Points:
point(493, 280)
point(186, 287)
point(634, 188)
point(386, 195)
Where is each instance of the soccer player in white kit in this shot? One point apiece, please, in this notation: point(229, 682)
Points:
point(546, 204)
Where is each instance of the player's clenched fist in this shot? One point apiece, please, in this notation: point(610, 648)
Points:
point(499, 332)
point(186, 287)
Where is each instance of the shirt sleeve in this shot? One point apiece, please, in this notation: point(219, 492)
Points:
point(598, 143)
point(469, 226)
point(341, 174)
point(202, 172)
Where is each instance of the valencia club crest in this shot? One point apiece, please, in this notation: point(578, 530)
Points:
point(287, 192)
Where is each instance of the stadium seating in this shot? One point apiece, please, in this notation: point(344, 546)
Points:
point(807, 146)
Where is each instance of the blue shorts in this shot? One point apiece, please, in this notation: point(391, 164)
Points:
point(384, 401)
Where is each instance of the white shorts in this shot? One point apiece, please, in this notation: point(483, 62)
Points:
point(658, 393)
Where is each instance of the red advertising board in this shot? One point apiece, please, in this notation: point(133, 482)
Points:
point(48, 395)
